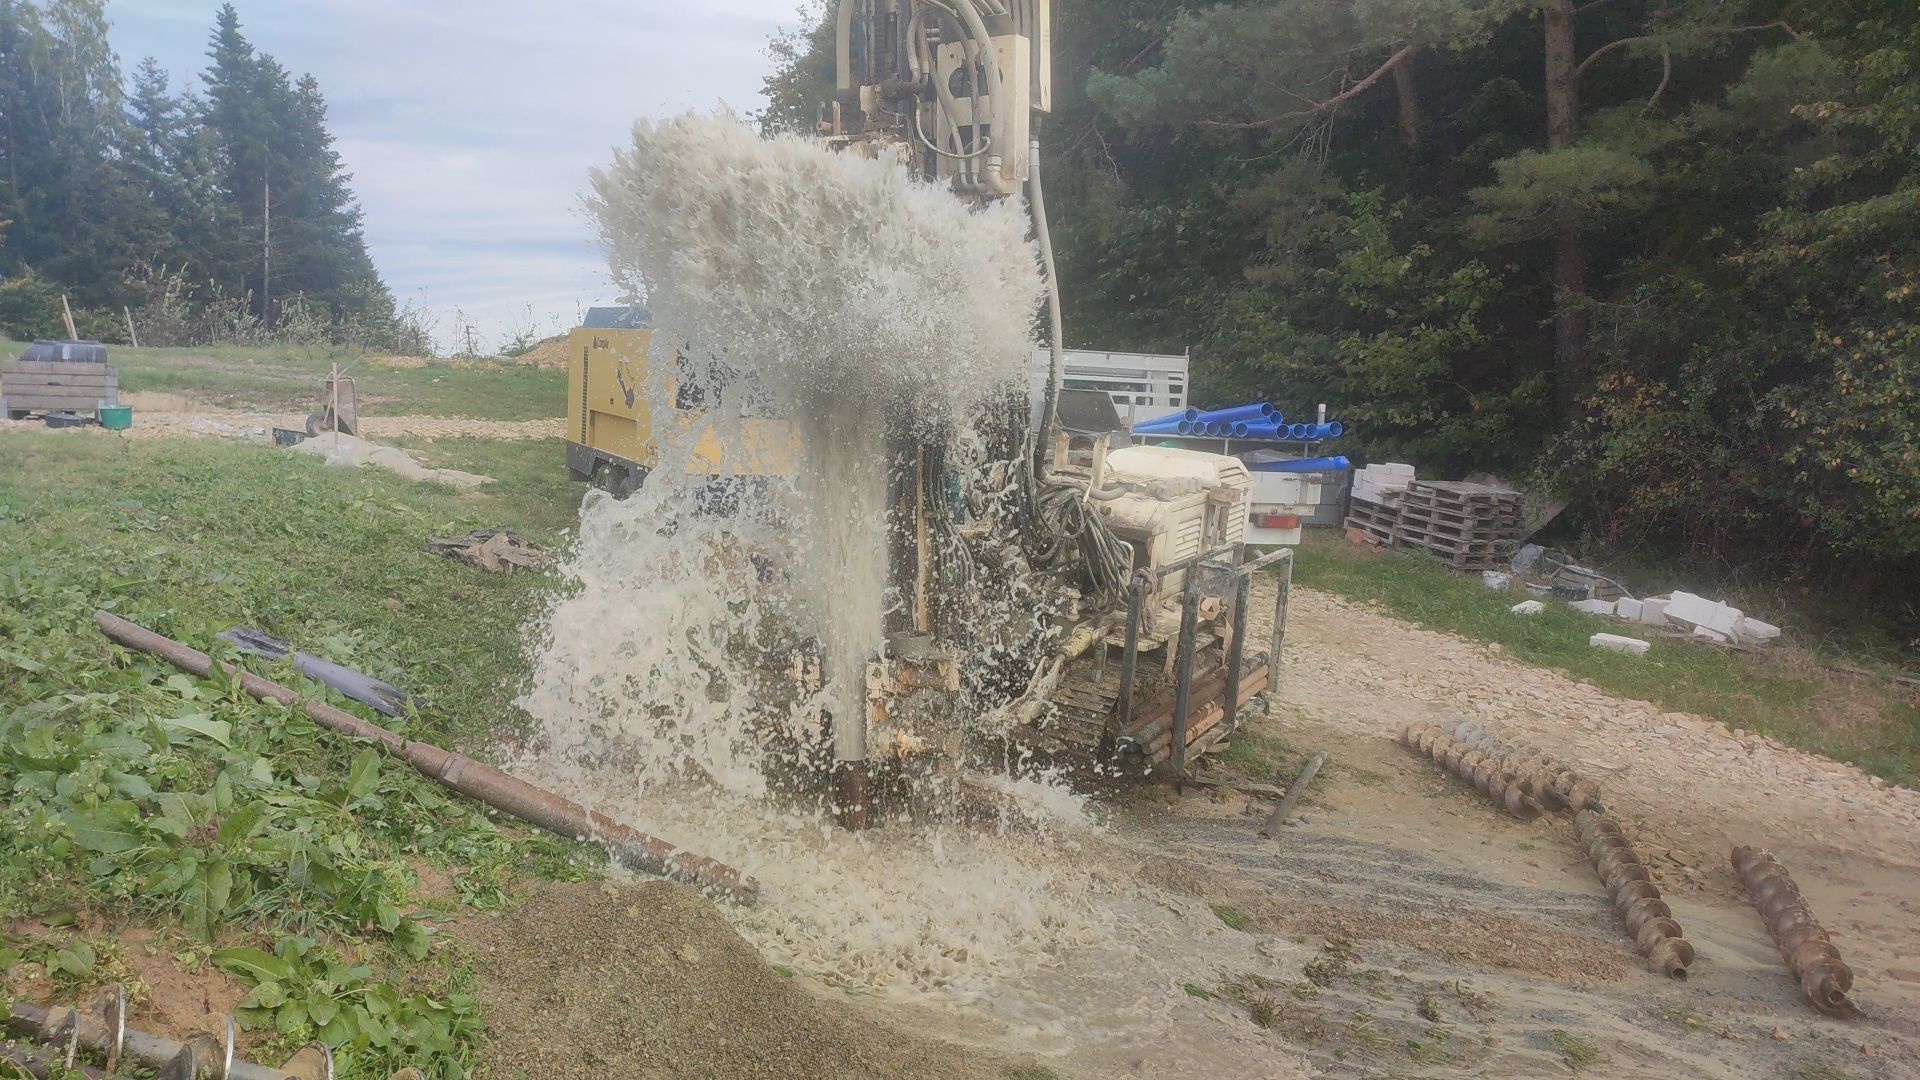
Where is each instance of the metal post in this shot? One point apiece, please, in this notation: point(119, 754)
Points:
point(1189, 627)
point(1123, 709)
point(1280, 618)
point(1236, 649)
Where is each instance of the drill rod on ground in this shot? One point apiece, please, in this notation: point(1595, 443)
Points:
point(626, 845)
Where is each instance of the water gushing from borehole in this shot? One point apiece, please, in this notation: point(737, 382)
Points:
point(831, 292)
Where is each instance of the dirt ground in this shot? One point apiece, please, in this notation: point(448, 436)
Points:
point(1429, 903)
point(649, 980)
point(1407, 928)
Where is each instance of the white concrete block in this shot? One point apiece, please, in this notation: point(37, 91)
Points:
point(1691, 610)
point(1654, 611)
point(1616, 643)
point(1528, 607)
point(1593, 607)
point(1756, 630)
point(1710, 634)
point(1627, 608)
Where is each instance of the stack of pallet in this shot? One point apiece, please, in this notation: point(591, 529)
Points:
point(1468, 526)
point(1373, 506)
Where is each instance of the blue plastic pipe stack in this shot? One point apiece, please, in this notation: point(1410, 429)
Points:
point(1259, 420)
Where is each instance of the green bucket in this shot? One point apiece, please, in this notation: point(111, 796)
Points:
point(116, 417)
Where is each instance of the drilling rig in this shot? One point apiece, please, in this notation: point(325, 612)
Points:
point(1143, 660)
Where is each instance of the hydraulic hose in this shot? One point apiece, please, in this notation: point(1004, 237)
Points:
point(1056, 324)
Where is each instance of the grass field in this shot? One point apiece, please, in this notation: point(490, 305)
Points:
point(1784, 692)
point(254, 842)
point(283, 378)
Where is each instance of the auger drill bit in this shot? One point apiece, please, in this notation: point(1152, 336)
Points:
point(1552, 784)
point(1487, 772)
point(1635, 898)
point(1804, 945)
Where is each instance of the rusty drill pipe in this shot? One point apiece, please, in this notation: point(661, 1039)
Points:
point(1552, 784)
point(626, 845)
point(139, 1047)
point(1635, 898)
point(1804, 945)
point(1486, 772)
point(40, 1062)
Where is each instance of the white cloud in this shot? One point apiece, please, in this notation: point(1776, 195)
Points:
point(469, 127)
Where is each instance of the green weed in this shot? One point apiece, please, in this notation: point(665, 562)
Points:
point(1578, 1053)
point(1234, 918)
point(135, 791)
point(1262, 757)
point(1335, 960)
point(303, 992)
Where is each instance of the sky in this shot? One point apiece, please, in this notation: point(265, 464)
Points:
point(469, 125)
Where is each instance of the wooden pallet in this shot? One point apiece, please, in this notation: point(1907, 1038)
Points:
point(1375, 519)
point(31, 386)
point(1460, 493)
point(1477, 517)
point(1434, 525)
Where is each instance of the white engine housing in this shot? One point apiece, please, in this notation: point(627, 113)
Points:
point(1178, 504)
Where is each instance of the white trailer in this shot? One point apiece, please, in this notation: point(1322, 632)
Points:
point(1144, 386)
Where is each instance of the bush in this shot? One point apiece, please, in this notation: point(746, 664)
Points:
point(30, 308)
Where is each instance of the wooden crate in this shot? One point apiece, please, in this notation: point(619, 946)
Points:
point(28, 386)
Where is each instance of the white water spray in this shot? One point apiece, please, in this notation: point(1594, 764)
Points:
point(830, 291)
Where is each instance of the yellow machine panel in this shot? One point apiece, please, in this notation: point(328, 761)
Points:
point(611, 429)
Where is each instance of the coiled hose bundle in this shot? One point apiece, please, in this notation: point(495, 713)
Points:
point(1064, 527)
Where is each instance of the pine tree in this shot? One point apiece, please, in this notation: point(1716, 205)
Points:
point(290, 224)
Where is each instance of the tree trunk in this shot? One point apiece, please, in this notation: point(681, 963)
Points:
point(1408, 93)
point(1569, 247)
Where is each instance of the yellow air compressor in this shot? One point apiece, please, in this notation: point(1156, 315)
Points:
point(613, 437)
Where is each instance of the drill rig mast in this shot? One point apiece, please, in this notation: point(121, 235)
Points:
point(1142, 545)
point(953, 90)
